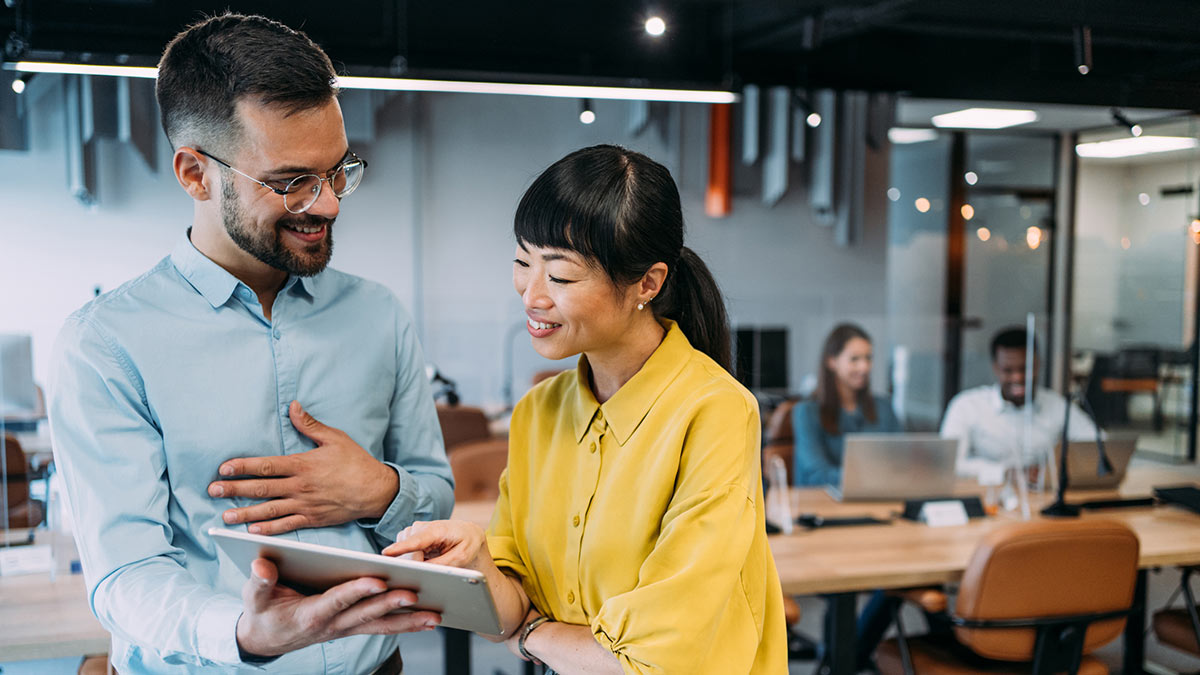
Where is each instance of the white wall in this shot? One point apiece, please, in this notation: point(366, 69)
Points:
point(433, 221)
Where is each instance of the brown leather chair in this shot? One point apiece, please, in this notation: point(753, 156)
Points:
point(22, 510)
point(778, 438)
point(477, 466)
point(461, 424)
point(779, 424)
point(1046, 590)
point(1179, 627)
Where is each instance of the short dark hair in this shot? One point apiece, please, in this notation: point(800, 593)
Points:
point(620, 210)
point(212, 65)
point(1011, 338)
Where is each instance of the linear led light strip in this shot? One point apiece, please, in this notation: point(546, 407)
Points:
point(452, 86)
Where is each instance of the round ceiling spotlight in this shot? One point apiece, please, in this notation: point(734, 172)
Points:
point(586, 114)
point(813, 120)
point(655, 26)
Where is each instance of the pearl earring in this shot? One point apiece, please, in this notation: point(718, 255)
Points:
point(641, 306)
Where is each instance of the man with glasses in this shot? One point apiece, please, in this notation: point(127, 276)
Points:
point(240, 383)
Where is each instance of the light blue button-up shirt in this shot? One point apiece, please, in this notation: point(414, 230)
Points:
point(161, 380)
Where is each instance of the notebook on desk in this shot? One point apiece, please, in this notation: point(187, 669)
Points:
point(890, 467)
point(1083, 463)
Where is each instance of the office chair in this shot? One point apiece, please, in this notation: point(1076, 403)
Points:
point(1036, 597)
point(22, 510)
point(461, 424)
point(779, 423)
point(1179, 627)
point(477, 466)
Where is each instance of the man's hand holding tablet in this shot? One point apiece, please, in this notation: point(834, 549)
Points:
point(278, 619)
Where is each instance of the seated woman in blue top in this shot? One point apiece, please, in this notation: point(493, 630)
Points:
point(841, 404)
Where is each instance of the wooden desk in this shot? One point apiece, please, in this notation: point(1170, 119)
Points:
point(831, 561)
point(42, 618)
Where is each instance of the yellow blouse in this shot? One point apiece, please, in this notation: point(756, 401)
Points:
point(643, 517)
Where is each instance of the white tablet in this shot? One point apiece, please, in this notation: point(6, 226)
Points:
point(461, 596)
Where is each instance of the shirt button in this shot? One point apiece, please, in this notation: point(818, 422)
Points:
point(575, 520)
point(599, 417)
point(570, 597)
point(592, 447)
point(276, 333)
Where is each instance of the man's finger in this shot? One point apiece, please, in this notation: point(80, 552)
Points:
point(257, 513)
point(326, 607)
point(368, 609)
point(277, 465)
point(308, 425)
point(256, 593)
point(252, 488)
point(401, 623)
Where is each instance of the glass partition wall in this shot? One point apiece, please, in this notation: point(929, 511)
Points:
point(1135, 282)
point(971, 236)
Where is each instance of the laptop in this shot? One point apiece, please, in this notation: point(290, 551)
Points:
point(1083, 461)
point(891, 467)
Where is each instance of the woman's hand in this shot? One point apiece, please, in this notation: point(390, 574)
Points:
point(455, 543)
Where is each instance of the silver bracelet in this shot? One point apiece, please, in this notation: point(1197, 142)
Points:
point(525, 633)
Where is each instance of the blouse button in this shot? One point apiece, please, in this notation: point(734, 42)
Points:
point(570, 597)
point(575, 520)
point(592, 447)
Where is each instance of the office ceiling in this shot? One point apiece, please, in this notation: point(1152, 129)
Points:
point(1143, 53)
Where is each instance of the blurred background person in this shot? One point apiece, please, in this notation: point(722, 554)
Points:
point(842, 404)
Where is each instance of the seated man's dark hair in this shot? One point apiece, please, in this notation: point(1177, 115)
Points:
point(212, 65)
point(1011, 338)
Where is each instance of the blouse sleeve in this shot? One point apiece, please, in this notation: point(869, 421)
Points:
point(812, 462)
point(502, 543)
point(693, 572)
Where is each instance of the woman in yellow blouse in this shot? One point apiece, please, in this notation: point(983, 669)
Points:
point(628, 536)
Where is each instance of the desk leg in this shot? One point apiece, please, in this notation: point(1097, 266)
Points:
point(1135, 630)
point(840, 623)
point(456, 651)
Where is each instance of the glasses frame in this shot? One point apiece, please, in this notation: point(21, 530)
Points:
point(290, 189)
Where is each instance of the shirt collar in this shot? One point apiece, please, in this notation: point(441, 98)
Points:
point(214, 282)
point(632, 402)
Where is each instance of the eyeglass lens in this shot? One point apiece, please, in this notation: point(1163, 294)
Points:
point(303, 191)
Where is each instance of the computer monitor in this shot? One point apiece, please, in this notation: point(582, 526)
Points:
point(18, 395)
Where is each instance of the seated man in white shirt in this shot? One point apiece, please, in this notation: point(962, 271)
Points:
point(989, 420)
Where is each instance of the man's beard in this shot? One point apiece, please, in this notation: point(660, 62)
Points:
point(268, 246)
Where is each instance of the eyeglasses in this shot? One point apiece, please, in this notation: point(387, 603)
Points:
point(302, 192)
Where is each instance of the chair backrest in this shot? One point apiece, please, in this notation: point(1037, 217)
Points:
point(783, 451)
point(779, 424)
point(16, 469)
point(477, 466)
point(1047, 568)
point(461, 424)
